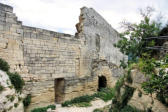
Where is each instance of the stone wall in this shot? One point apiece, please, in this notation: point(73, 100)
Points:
point(41, 56)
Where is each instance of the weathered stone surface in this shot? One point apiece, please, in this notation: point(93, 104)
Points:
point(41, 56)
point(145, 101)
point(6, 104)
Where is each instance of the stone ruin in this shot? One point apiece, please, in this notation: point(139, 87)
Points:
point(57, 66)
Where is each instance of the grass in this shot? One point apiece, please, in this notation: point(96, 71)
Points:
point(105, 94)
point(44, 109)
point(83, 104)
point(104, 109)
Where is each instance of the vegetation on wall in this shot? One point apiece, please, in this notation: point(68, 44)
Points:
point(4, 65)
point(1, 88)
point(27, 100)
point(121, 99)
point(15, 78)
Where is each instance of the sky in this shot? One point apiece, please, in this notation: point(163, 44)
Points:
point(62, 15)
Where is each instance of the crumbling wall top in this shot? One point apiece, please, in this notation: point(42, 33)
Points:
point(6, 8)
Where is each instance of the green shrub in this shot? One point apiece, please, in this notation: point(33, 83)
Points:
point(16, 80)
point(97, 110)
point(16, 105)
point(80, 99)
point(83, 104)
point(128, 93)
point(43, 109)
point(4, 65)
point(129, 108)
point(119, 84)
point(162, 99)
point(1, 88)
point(105, 94)
point(128, 77)
point(27, 100)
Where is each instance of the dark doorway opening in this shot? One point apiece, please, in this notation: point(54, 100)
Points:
point(102, 82)
point(59, 90)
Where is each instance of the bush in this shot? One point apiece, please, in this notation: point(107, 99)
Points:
point(16, 105)
point(83, 104)
point(80, 99)
point(43, 109)
point(97, 110)
point(16, 80)
point(129, 108)
point(128, 77)
point(126, 96)
point(4, 65)
point(162, 99)
point(105, 94)
point(119, 84)
point(1, 88)
point(27, 100)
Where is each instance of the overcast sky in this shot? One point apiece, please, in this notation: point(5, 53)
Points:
point(62, 15)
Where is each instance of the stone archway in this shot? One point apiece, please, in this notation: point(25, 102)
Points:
point(102, 82)
point(59, 89)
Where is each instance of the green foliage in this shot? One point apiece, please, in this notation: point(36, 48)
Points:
point(97, 110)
point(16, 80)
point(123, 64)
point(1, 88)
point(119, 100)
point(128, 77)
point(80, 99)
point(133, 42)
point(164, 31)
point(126, 96)
point(118, 85)
point(83, 104)
point(4, 65)
point(129, 108)
point(105, 94)
point(27, 100)
point(147, 65)
point(16, 105)
point(43, 109)
point(162, 99)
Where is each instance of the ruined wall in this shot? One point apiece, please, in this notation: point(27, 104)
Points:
point(41, 56)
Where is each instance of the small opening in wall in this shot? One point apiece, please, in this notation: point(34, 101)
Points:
point(102, 82)
point(59, 90)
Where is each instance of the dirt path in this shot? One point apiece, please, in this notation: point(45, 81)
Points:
point(95, 104)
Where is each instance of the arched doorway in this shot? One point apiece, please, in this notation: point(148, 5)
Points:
point(102, 82)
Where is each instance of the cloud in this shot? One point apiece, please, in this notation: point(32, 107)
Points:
point(62, 15)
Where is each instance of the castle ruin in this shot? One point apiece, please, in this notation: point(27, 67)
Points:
point(56, 66)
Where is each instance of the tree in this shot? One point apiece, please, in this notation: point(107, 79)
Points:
point(133, 42)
